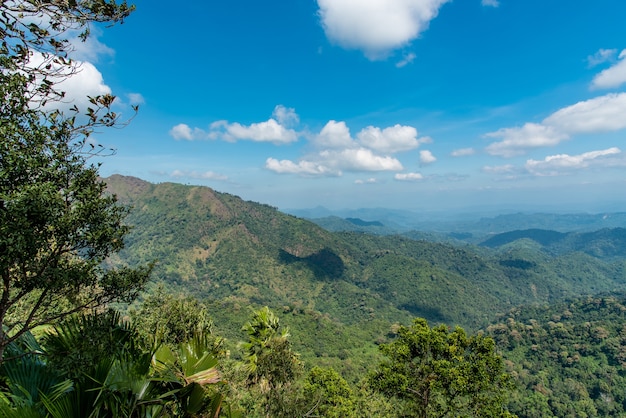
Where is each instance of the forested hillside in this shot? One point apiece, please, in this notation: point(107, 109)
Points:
point(606, 243)
point(334, 289)
point(568, 358)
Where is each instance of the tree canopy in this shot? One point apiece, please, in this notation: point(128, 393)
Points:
point(58, 226)
point(438, 373)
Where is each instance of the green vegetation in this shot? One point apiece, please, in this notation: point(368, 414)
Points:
point(567, 359)
point(67, 255)
point(57, 225)
point(436, 373)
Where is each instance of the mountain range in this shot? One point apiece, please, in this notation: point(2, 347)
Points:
point(334, 289)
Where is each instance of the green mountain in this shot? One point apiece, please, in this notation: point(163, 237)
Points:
point(606, 243)
point(568, 359)
point(338, 292)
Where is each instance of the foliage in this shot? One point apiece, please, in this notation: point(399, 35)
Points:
point(117, 381)
point(438, 373)
point(164, 318)
point(568, 359)
point(337, 292)
point(332, 396)
point(57, 223)
point(271, 364)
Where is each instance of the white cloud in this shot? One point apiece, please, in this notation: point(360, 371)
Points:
point(80, 80)
point(463, 152)
point(394, 139)
point(370, 180)
point(562, 163)
point(602, 56)
point(613, 76)
point(273, 130)
point(491, 3)
point(302, 167)
point(376, 27)
point(360, 159)
point(499, 169)
point(135, 98)
point(286, 116)
point(600, 114)
point(91, 49)
point(406, 59)
point(334, 135)
point(184, 131)
point(268, 131)
point(205, 175)
point(515, 141)
point(427, 157)
point(409, 176)
point(333, 162)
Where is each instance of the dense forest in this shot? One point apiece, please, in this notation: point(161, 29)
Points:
point(122, 298)
point(285, 318)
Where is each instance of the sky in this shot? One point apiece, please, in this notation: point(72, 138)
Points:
point(411, 104)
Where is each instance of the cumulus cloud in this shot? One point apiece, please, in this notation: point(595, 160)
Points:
point(602, 56)
point(302, 167)
point(336, 151)
point(427, 157)
point(335, 162)
point(554, 165)
point(334, 135)
point(286, 116)
point(463, 152)
point(491, 3)
point(84, 80)
point(394, 139)
point(600, 114)
point(613, 76)
point(184, 131)
point(268, 131)
point(515, 141)
point(205, 175)
point(376, 27)
point(360, 159)
point(274, 130)
point(408, 176)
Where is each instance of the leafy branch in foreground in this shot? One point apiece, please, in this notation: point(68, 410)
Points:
point(58, 226)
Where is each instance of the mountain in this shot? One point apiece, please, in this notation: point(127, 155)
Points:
point(568, 359)
point(338, 292)
point(606, 243)
point(473, 225)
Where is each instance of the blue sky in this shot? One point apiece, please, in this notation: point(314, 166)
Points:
point(418, 104)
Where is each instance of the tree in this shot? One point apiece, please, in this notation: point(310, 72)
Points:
point(58, 225)
point(119, 378)
point(437, 373)
point(173, 319)
point(271, 364)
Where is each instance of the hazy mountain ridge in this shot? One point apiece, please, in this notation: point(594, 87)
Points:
point(234, 254)
point(469, 224)
point(606, 243)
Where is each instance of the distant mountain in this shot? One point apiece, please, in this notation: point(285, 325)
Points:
point(541, 236)
point(472, 225)
point(339, 291)
point(605, 243)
